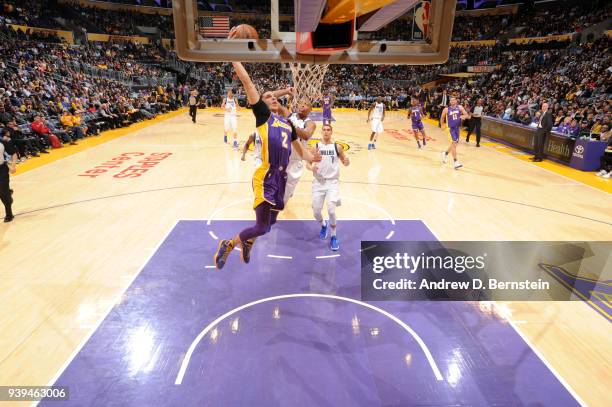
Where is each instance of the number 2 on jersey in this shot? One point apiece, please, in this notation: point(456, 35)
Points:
point(285, 145)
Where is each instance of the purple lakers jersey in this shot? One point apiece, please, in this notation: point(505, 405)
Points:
point(270, 178)
point(415, 114)
point(275, 142)
point(327, 107)
point(454, 116)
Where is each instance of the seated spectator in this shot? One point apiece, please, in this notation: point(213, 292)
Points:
point(606, 133)
point(596, 128)
point(87, 129)
point(68, 121)
point(574, 129)
point(26, 145)
point(564, 128)
point(112, 119)
point(525, 119)
point(41, 130)
point(585, 131)
point(5, 117)
point(605, 168)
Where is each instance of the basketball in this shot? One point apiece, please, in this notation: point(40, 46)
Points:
point(245, 31)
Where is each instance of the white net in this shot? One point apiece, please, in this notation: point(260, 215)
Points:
point(307, 79)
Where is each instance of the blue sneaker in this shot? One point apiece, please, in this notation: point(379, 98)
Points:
point(235, 144)
point(324, 230)
point(223, 250)
point(245, 250)
point(370, 146)
point(373, 146)
point(225, 138)
point(334, 244)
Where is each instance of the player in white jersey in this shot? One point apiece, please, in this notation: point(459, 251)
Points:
point(304, 128)
point(254, 139)
point(376, 115)
point(230, 105)
point(325, 184)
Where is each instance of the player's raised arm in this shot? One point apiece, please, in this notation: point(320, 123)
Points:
point(283, 92)
point(249, 86)
point(283, 111)
point(306, 154)
point(306, 133)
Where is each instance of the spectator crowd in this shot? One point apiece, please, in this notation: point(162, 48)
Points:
point(53, 93)
point(576, 82)
point(46, 99)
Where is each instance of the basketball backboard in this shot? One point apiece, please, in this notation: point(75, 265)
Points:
point(324, 32)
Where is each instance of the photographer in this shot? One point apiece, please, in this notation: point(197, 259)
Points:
point(8, 161)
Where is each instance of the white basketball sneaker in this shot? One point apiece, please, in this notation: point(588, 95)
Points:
point(458, 165)
point(444, 155)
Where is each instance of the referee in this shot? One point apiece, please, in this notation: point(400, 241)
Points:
point(8, 160)
point(476, 122)
point(193, 105)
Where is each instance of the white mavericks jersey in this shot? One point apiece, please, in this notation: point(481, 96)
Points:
point(377, 114)
point(257, 150)
point(329, 167)
point(300, 124)
point(230, 106)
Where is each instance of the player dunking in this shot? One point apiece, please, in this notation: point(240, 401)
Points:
point(304, 128)
point(325, 184)
point(452, 117)
point(414, 113)
point(278, 137)
point(230, 120)
point(377, 115)
point(327, 108)
point(255, 139)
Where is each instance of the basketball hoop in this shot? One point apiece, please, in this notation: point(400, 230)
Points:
point(307, 80)
point(428, 37)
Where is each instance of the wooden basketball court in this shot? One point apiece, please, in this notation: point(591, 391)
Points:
point(88, 223)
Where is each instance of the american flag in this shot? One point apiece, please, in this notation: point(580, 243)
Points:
point(215, 27)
